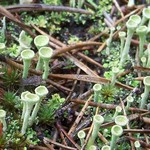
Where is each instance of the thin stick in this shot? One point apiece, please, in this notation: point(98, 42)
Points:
point(145, 131)
point(78, 119)
point(68, 136)
point(103, 139)
point(48, 145)
point(106, 106)
point(38, 147)
point(43, 7)
point(118, 7)
point(58, 144)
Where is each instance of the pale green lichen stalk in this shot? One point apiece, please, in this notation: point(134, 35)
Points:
point(148, 56)
point(131, 24)
point(116, 132)
point(3, 119)
point(131, 3)
point(27, 56)
point(122, 36)
point(109, 40)
point(81, 135)
point(30, 100)
point(40, 41)
point(141, 31)
point(146, 16)
point(117, 111)
point(115, 71)
point(121, 120)
point(24, 41)
point(97, 121)
point(92, 147)
point(41, 91)
point(97, 88)
point(24, 103)
point(145, 95)
point(129, 101)
point(45, 54)
point(137, 145)
point(143, 61)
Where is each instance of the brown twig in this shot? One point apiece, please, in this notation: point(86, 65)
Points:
point(44, 7)
point(38, 147)
point(145, 131)
point(78, 119)
point(73, 87)
point(103, 139)
point(74, 46)
point(89, 78)
point(58, 144)
point(68, 136)
point(48, 145)
point(118, 7)
point(61, 134)
point(106, 106)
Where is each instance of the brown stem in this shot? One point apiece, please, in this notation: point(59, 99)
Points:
point(44, 7)
point(106, 106)
point(76, 122)
point(145, 131)
point(58, 144)
point(68, 136)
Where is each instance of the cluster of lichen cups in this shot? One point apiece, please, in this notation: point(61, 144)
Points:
point(136, 25)
point(45, 53)
point(116, 130)
point(29, 101)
